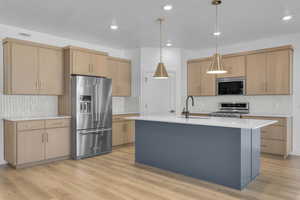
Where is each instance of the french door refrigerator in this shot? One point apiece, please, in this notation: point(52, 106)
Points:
point(91, 116)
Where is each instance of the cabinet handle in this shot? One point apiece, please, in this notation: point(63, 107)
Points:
point(47, 137)
point(43, 138)
point(37, 84)
point(40, 84)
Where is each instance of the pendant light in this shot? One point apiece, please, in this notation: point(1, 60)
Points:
point(161, 72)
point(216, 66)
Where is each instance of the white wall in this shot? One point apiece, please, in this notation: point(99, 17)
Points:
point(149, 58)
point(25, 105)
point(258, 104)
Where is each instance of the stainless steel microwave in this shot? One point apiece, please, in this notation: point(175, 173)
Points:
point(231, 86)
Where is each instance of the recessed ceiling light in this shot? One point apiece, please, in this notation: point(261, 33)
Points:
point(217, 33)
point(114, 27)
point(169, 44)
point(168, 7)
point(287, 17)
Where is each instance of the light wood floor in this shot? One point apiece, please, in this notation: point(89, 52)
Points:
point(116, 177)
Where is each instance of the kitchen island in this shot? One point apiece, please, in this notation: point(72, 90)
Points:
point(225, 151)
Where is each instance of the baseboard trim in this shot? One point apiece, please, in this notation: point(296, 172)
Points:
point(41, 162)
point(295, 153)
point(3, 165)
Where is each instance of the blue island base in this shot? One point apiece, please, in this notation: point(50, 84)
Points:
point(226, 156)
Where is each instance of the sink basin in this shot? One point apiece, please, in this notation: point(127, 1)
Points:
point(195, 117)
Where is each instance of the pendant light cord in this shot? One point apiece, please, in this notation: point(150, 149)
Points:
point(160, 36)
point(217, 29)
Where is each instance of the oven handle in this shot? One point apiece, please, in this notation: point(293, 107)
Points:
point(95, 131)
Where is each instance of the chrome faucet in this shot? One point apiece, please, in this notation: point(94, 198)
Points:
point(186, 111)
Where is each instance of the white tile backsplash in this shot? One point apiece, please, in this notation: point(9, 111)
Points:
point(123, 105)
point(258, 104)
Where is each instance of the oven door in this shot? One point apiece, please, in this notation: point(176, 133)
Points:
point(231, 86)
point(93, 142)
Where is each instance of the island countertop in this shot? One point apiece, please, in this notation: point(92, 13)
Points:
point(207, 121)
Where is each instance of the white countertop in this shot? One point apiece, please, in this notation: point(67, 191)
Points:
point(208, 121)
point(36, 118)
point(253, 114)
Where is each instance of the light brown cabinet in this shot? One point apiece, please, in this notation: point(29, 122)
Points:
point(269, 73)
point(256, 74)
point(57, 142)
point(276, 138)
point(199, 82)
point(50, 72)
point(123, 131)
point(31, 68)
point(120, 72)
point(88, 62)
point(235, 67)
point(30, 146)
point(81, 63)
point(36, 141)
point(266, 71)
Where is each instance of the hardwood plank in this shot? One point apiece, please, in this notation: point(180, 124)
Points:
point(115, 176)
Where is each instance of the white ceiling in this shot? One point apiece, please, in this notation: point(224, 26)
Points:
point(188, 25)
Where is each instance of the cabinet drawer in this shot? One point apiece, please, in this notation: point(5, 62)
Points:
point(274, 132)
point(57, 123)
point(273, 146)
point(30, 125)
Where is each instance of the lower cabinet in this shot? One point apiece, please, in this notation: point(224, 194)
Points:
point(276, 138)
point(57, 142)
point(30, 142)
point(123, 132)
point(30, 146)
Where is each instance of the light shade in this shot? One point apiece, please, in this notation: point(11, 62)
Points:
point(216, 65)
point(161, 72)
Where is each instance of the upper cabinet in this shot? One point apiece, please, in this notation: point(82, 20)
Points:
point(199, 82)
point(119, 70)
point(266, 71)
point(235, 66)
point(32, 68)
point(87, 62)
point(270, 73)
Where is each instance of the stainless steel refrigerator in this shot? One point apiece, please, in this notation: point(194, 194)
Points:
point(91, 116)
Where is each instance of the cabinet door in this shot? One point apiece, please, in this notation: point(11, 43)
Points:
point(99, 65)
point(118, 133)
point(57, 142)
point(278, 72)
point(256, 74)
point(30, 146)
point(81, 63)
point(194, 74)
point(129, 128)
point(207, 81)
point(50, 71)
point(235, 67)
point(124, 79)
point(112, 73)
point(24, 72)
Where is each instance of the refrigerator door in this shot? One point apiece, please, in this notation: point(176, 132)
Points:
point(102, 111)
point(82, 101)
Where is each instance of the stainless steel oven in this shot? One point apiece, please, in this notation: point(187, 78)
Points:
point(231, 86)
